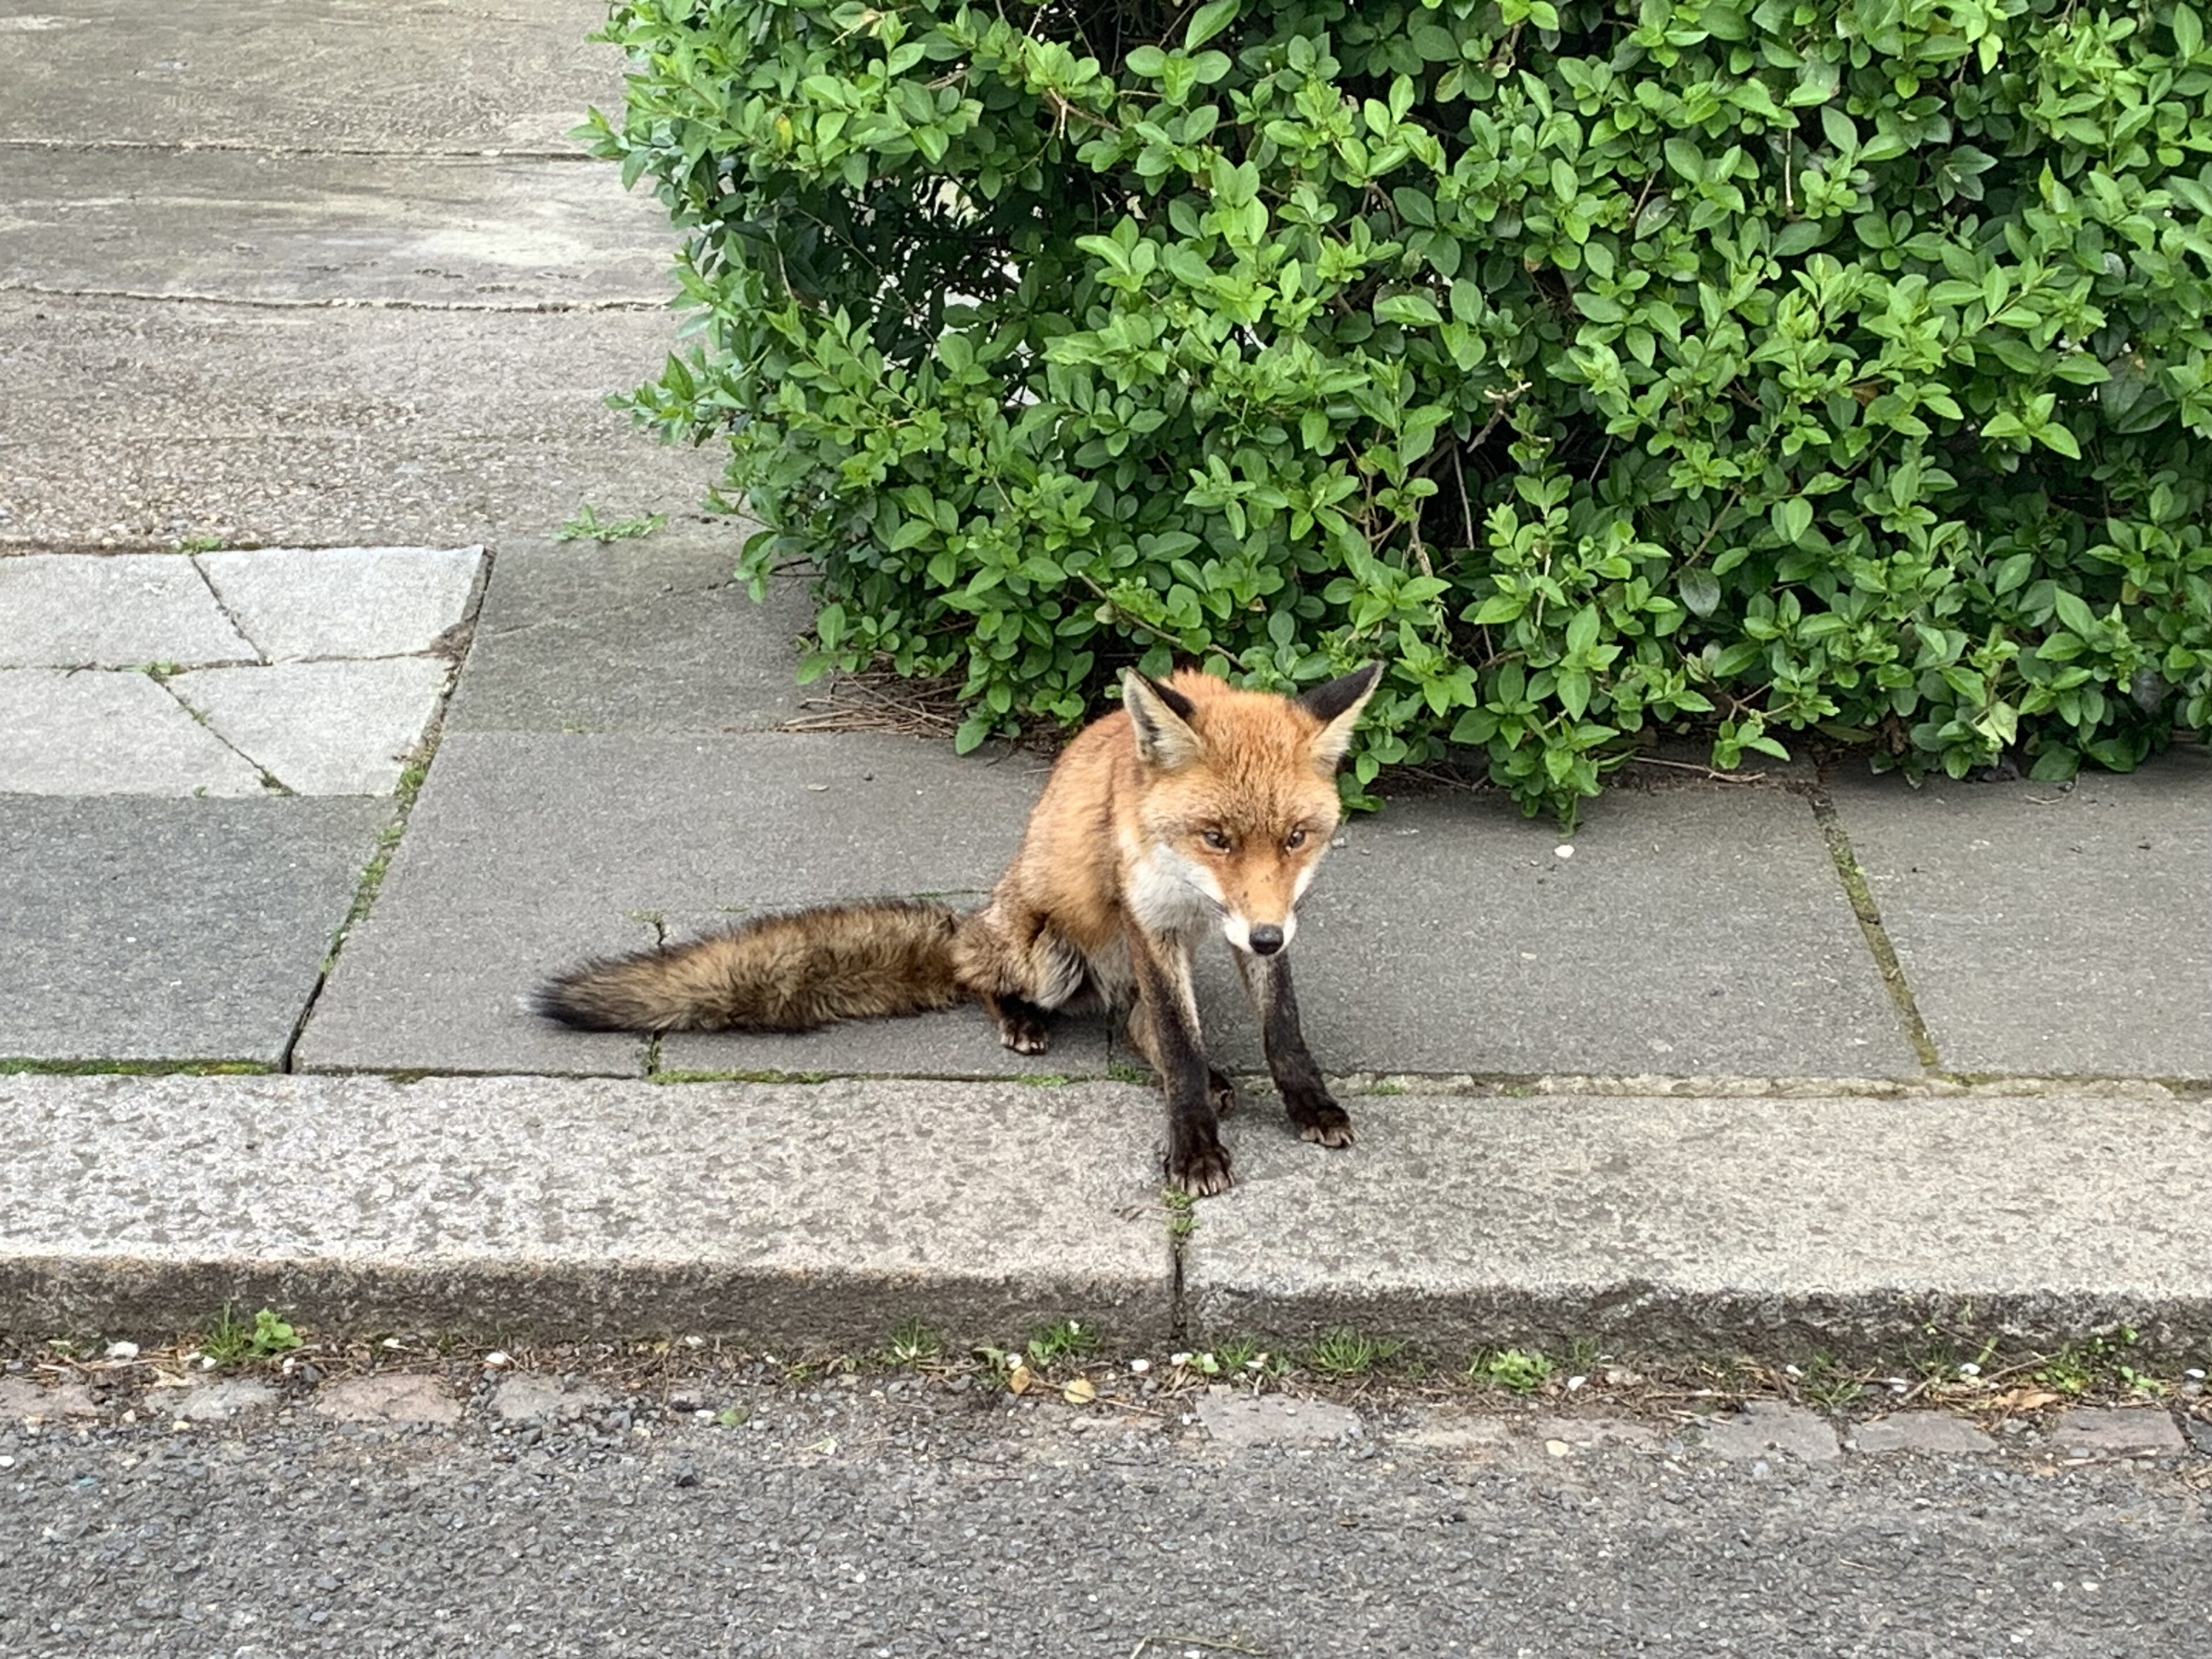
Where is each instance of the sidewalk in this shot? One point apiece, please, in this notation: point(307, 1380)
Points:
point(1779, 1063)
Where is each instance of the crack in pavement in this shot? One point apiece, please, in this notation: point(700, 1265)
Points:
point(1849, 872)
point(366, 302)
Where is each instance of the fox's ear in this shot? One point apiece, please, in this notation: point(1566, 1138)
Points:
point(1336, 705)
point(1162, 717)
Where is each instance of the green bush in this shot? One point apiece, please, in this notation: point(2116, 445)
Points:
point(1606, 367)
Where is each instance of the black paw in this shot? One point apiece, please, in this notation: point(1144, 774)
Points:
point(1199, 1166)
point(1319, 1119)
point(1025, 1034)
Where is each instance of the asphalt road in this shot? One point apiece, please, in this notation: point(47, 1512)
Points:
point(922, 1521)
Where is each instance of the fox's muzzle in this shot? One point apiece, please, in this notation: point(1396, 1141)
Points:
point(1266, 939)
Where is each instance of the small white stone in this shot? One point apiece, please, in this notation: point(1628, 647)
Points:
point(1564, 850)
point(496, 1359)
point(1140, 1366)
point(123, 1351)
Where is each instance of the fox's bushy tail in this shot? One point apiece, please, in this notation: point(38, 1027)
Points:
point(791, 972)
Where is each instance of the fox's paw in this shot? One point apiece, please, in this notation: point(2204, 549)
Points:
point(1200, 1169)
point(1025, 1034)
point(1323, 1122)
point(1221, 1092)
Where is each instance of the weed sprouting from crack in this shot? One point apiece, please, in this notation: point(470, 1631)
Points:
point(586, 525)
point(1349, 1353)
point(1522, 1370)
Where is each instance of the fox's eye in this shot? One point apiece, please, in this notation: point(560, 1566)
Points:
point(1295, 839)
point(1215, 839)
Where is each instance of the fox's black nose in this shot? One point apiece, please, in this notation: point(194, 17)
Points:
point(1266, 940)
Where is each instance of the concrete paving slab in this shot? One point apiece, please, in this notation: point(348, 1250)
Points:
point(394, 1397)
point(1245, 1422)
point(22, 1401)
point(425, 992)
point(220, 1402)
point(2118, 1431)
point(297, 603)
point(648, 635)
point(238, 225)
point(783, 1215)
point(103, 733)
point(1766, 1426)
point(529, 852)
point(2047, 930)
point(135, 425)
point(1837, 1225)
point(1694, 933)
point(140, 929)
point(1593, 1433)
point(1935, 1434)
point(79, 610)
point(196, 72)
point(322, 728)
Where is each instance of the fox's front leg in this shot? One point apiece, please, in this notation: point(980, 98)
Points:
point(1163, 1028)
point(1305, 1097)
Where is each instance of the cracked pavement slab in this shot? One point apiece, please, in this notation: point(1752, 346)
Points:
point(224, 703)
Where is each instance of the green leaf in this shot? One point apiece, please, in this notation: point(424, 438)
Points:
point(1208, 20)
point(1498, 608)
point(2188, 33)
point(1700, 590)
point(2054, 434)
point(1410, 309)
point(1800, 236)
point(2055, 765)
point(1686, 158)
point(973, 730)
point(1572, 688)
point(2074, 610)
point(1792, 518)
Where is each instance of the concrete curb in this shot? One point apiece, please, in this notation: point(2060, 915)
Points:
point(514, 1207)
point(828, 1215)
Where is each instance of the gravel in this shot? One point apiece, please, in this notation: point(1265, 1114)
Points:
point(894, 1516)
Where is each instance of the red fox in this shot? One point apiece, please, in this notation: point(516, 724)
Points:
point(1194, 806)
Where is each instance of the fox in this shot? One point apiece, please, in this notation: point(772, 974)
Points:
point(1195, 805)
